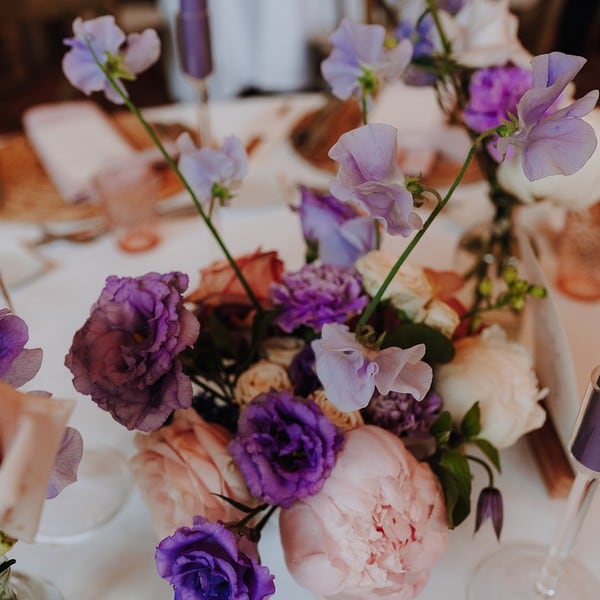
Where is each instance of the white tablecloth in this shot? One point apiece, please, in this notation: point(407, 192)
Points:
point(116, 563)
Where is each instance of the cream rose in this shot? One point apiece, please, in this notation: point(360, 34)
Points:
point(344, 420)
point(484, 33)
point(259, 378)
point(409, 291)
point(180, 467)
point(577, 191)
point(375, 529)
point(282, 350)
point(441, 316)
point(497, 373)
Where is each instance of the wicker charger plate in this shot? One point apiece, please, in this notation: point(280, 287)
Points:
point(27, 193)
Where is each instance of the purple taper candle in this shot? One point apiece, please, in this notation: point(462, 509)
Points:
point(586, 438)
point(193, 33)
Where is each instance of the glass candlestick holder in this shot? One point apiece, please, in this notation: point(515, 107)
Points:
point(531, 572)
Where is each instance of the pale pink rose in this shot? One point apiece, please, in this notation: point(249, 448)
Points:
point(31, 431)
point(374, 530)
point(180, 467)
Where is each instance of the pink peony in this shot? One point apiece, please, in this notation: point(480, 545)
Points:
point(375, 529)
point(181, 466)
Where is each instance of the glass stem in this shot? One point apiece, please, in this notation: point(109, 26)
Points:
point(204, 125)
point(578, 503)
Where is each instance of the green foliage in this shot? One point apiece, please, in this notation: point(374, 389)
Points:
point(439, 349)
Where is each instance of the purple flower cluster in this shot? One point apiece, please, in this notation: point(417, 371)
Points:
point(125, 355)
point(18, 364)
point(494, 93)
point(317, 294)
point(285, 447)
point(206, 562)
point(401, 413)
point(421, 35)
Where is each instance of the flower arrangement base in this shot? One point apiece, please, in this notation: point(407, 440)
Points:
point(20, 586)
point(513, 571)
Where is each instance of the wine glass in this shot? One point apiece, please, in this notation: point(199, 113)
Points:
point(531, 572)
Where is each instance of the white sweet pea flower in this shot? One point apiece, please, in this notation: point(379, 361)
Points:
point(497, 373)
point(484, 33)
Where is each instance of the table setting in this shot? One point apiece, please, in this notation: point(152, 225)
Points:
point(284, 372)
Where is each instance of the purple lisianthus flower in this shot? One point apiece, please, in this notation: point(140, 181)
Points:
point(285, 447)
point(335, 230)
point(317, 294)
point(106, 41)
point(302, 372)
point(18, 364)
point(490, 506)
point(209, 562)
point(212, 173)
point(369, 175)
point(125, 355)
point(350, 372)
point(402, 414)
point(493, 95)
point(66, 462)
point(359, 54)
point(552, 141)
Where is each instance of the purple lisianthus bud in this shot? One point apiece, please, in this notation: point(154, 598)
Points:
point(369, 175)
point(125, 355)
point(213, 173)
point(489, 506)
point(18, 365)
point(358, 51)
point(101, 41)
point(317, 294)
point(302, 373)
point(335, 229)
point(401, 413)
point(350, 372)
point(552, 141)
point(66, 462)
point(206, 561)
point(285, 447)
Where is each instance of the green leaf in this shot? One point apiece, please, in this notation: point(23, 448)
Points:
point(454, 464)
point(450, 489)
point(235, 503)
point(439, 348)
point(221, 335)
point(490, 451)
point(470, 425)
point(441, 428)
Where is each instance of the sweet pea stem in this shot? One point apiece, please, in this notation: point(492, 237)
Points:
point(489, 471)
point(417, 237)
point(173, 166)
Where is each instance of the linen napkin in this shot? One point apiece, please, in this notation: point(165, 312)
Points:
point(19, 263)
point(74, 140)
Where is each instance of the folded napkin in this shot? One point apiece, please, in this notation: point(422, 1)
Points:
point(19, 263)
point(74, 140)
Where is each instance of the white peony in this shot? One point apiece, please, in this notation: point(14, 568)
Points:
point(484, 33)
point(576, 192)
point(497, 373)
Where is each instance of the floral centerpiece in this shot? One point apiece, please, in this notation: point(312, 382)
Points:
point(353, 394)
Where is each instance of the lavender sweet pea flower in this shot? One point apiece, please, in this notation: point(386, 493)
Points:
point(359, 53)
point(334, 231)
point(66, 462)
point(207, 561)
point(106, 40)
point(489, 506)
point(212, 173)
point(125, 355)
point(551, 141)
point(350, 372)
point(368, 174)
point(18, 364)
point(317, 294)
point(285, 447)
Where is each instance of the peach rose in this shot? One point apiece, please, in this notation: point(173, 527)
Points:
point(180, 467)
point(220, 285)
point(282, 350)
point(374, 530)
point(31, 431)
point(499, 374)
point(260, 377)
point(344, 420)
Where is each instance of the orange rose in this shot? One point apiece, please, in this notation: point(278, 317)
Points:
point(220, 285)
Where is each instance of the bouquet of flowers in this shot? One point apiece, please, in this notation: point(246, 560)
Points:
point(352, 394)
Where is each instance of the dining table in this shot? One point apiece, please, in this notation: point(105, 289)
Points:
point(116, 561)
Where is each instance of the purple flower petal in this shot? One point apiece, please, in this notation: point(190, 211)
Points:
point(143, 50)
point(24, 368)
point(66, 462)
point(490, 506)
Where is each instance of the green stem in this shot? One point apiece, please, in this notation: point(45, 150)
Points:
point(208, 388)
point(363, 107)
point(263, 521)
point(173, 166)
point(478, 460)
point(415, 240)
point(243, 522)
point(432, 6)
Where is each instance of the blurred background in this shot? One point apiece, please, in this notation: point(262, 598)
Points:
point(259, 46)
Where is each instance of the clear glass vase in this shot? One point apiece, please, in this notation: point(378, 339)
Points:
point(15, 585)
